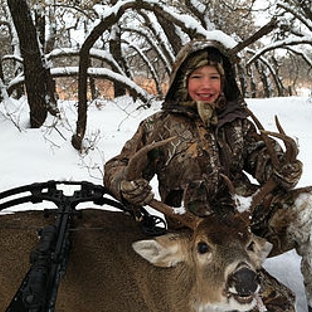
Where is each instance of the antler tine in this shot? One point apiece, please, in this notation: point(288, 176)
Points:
point(138, 161)
point(254, 118)
point(259, 195)
point(134, 171)
point(264, 136)
point(268, 143)
point(256, 197)
point(290, 144)
point(229, 183)
point(279, 126)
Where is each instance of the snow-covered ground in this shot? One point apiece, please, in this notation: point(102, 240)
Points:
point(37, 155)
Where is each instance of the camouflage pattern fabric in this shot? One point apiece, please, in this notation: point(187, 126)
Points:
point(188, 169)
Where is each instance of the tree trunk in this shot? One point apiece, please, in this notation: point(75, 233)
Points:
point(38, 81)
point(115, 49)
point(242, 80)
point(170, 31)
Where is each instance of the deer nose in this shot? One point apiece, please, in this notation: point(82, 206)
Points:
point(245, 281)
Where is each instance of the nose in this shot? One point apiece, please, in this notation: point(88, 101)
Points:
point(206, 82)
point(245, 281)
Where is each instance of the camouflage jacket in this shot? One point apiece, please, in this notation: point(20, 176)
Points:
point(188, 168)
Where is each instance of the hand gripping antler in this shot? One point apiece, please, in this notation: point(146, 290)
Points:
point(134, 170)
point(290, 155)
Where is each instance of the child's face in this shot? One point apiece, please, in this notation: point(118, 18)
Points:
point(204, 84)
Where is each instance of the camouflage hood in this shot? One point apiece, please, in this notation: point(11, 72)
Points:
point(195, 54)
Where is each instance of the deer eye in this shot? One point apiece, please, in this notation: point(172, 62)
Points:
point(251, 246)
point(203, 247)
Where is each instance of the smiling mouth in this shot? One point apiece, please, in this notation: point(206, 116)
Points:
point(205, 96)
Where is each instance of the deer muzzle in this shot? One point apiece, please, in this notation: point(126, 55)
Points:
point(243, 284)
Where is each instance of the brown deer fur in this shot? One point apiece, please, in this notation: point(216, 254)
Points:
point(106, 274)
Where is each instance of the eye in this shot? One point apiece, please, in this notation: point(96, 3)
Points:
point(195, 76)
point(203, 248)
point(217, 77)
point(251, 246)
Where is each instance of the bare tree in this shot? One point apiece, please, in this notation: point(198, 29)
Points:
point(141, 39)
point(293, 36)
point(189, 28)
point(38, 82)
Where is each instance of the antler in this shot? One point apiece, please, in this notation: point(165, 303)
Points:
point(290, 156)
point(134, 170)
point(138, 161)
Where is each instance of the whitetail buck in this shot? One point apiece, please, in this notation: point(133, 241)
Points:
point(216, 266)
point(213, 266)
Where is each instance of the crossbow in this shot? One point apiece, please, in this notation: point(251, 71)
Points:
point(39, 288)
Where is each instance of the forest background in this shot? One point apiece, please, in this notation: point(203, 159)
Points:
point(85, 50)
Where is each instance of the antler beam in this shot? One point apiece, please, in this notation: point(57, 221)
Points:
point(134, 171)
point(290, 155)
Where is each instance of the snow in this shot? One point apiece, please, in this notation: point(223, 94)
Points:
point(38, 155)
point(242, 203)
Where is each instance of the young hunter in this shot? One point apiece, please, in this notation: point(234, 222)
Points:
point(215, 136)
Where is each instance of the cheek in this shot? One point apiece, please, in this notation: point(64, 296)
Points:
point(218, 86)
point(191, 88)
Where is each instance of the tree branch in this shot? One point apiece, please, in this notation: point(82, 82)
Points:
point(256, 36)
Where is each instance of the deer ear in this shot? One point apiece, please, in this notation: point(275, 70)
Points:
point(164, 251)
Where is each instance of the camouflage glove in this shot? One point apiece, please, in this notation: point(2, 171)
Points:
point(288, 175)
point(137, 192)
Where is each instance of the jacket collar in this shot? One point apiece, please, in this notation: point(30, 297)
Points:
point(232, 111)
